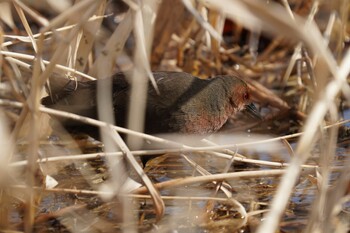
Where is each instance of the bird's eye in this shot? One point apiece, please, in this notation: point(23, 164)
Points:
point(246, 96)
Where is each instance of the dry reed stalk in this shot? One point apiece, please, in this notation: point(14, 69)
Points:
point(216, 177)
point(38, 18)
point(88, 35)
point(32, 169)
point(143, 31)
point(33, 104)
point(179, 182)
point(26, 39)
point(160, 152)
point(128, 195)
point(114, 45)
point(58, 68)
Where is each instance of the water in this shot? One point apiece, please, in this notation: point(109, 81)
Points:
point(187, 207)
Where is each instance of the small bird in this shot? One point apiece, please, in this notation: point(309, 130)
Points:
point(185, 104)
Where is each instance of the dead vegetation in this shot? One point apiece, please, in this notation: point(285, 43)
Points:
point(293, 54)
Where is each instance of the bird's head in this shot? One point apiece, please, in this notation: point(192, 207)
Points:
point(239, 96)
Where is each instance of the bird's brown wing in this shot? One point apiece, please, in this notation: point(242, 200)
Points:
point(166, 112)
point(80, 97)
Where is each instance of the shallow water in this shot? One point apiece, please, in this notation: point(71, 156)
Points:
point(90, 212)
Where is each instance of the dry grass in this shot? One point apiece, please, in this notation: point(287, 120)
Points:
point(293, 54)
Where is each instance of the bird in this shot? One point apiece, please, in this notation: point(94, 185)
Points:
point(183, 104)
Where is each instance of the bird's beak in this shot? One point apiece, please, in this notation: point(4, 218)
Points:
point(252, 111)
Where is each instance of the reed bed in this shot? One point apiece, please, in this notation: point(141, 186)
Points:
point(286, 173)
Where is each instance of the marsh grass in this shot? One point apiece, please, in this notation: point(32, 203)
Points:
point(294, 56)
